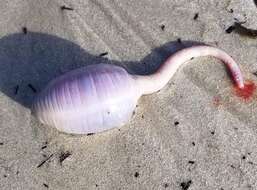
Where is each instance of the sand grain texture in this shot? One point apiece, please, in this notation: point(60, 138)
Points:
point(193, 134)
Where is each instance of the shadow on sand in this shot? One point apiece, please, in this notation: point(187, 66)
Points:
point(28, 62)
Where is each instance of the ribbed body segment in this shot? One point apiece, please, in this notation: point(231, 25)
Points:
point(88, 100)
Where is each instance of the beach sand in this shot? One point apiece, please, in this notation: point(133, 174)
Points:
point(194, 134)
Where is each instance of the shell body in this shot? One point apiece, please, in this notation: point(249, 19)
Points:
point(88, 100)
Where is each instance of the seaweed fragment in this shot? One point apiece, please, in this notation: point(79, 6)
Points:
point(230, 29)
point(44, 161)
point(238, 28)
point(43, 147)
point(191, 162)
point(103, 54)
point(166, 185)
point(45, 185)
point(16, 89)
point(32, 88)
point(231, 11)
point(63, 156)
point(66, 8)
point(163, 27)
point(185, 185)
point(196, 16)
point(24, 30)
point(136, 174)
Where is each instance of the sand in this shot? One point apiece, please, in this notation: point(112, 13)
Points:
point(194, 134)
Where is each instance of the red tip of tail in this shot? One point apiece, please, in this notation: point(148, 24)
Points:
point(247, 92)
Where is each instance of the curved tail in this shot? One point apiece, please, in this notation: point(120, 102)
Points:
point(154, 82)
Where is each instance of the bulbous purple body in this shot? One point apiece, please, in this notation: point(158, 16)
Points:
point(88, 100)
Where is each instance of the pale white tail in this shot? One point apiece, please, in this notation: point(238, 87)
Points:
point(154, 82)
